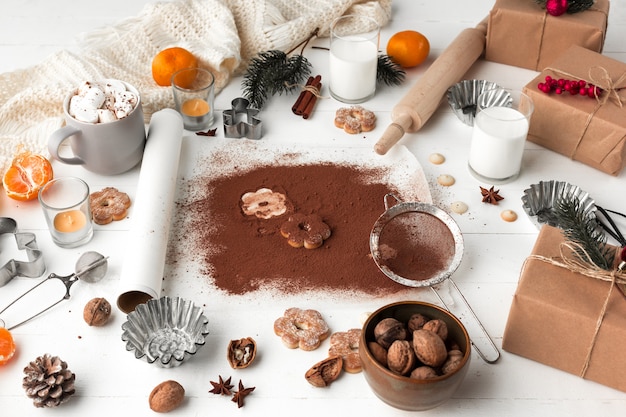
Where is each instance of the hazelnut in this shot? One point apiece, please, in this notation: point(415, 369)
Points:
point(389, 330)
point(429, 348)
point(401, 357)
point(416, 322)
point(323, 373)
point(453, 361)
point(423, 372)
point(97, 312)
point(378, 352)
point(241, 353)
point(438, 326)
point(166, 396)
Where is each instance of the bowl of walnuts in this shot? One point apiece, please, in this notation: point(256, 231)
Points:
point(414, 354)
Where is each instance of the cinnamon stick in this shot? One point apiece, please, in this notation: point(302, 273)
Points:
point(307, 97)
point(298, 104)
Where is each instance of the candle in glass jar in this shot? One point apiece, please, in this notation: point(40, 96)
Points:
point(195, 107)
point(70, 221)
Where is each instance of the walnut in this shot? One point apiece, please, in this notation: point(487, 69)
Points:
point(429, 348)
point(416, 322)
point(166, 396)
point(401, 357)
point(378, 352)
point(241, 353)
point(453, 362)
point(423, 372)
point(438, 326)
point(97, 312)
point(323, 373)
point(389, 330)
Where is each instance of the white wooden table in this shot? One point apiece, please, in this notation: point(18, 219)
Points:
point(110, 381)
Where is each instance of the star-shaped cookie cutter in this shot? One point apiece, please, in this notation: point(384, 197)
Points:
point(235, 126)
point(34, 267)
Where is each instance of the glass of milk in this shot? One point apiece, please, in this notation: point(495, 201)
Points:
point(499, 134)
point(353, 58)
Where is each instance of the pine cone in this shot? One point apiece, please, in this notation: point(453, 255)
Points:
point(48, 381)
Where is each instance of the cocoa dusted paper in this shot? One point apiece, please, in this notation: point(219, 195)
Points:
point(522, 34)
point(565, 319)
point(588, 130)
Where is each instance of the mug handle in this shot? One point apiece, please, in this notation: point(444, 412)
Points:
point(55, 140)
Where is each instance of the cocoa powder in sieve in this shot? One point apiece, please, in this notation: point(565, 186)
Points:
point(243, 253)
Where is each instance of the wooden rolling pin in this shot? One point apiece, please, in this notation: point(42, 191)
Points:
point(421, 101)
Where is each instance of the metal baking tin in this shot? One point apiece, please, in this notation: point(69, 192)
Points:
point(540, 201)
point(34, 267)
point(249, 126)
point(463, 98)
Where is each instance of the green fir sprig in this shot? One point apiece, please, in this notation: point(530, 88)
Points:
point(573, 6)
point(579, 228)
point(388, 72)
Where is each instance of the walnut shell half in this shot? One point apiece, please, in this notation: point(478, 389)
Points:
point(241, 353)
point(323, 373)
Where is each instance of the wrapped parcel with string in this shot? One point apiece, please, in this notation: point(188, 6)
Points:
point(586, 129)
point(568, 316)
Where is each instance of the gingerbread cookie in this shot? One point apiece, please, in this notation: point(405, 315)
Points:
point(355, 119)
point(346, 345)
point(304, 329)
point(302, 230)
point(264, 203)
point(108, 204)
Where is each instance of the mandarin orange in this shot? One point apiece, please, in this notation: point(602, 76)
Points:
point(26, 175)
point(7, 346)
point(408, 48)
point(170, 60)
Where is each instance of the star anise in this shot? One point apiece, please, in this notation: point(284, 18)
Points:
point(491, 195)
point(222, 387)
point(210, 132)
point(241, 394)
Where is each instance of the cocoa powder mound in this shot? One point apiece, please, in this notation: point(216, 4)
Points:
point(243, 253)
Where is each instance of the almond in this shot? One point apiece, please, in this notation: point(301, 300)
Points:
point(166, 396)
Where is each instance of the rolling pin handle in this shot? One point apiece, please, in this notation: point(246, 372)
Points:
point(393, 133)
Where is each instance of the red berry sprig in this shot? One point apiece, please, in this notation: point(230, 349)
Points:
point(574, 87)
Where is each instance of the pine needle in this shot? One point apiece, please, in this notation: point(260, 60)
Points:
point(578, 228)
point(573, 6)
point(388, 72)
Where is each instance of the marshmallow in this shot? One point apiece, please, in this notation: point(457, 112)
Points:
point(106, 115)
point(102, 102)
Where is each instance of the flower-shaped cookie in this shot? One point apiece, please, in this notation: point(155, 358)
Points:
point(302, 230)
point(305, 329)
point(346, 345)
point(264, 203)
point(108, 204)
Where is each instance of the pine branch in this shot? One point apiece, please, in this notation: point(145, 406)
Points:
point(388, 72)
point(258, 79)
point(573, 6)
point(579, 229)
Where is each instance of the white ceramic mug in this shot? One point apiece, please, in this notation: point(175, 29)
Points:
point(108, 148)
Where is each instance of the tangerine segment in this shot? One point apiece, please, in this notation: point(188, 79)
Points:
point(26, 175)
point(7, 346)
point(408, 48)
point(171, 60)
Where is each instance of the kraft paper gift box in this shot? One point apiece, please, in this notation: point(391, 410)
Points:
point(555, 313)
point(521, 33)
point(582, 128)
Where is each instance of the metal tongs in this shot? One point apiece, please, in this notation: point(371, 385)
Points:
point(91, 267)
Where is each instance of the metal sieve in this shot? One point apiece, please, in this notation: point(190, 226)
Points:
point(420, 245)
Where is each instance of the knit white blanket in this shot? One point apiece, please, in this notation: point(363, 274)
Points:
point(223, 34)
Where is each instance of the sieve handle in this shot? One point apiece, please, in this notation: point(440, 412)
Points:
point(479, 343)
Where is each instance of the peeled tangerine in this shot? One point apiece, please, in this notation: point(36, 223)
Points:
point(7, 346)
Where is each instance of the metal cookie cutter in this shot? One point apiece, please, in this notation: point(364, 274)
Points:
point(32, 268)
point(235, 127)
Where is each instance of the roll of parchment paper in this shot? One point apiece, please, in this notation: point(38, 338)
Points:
point(142, 270)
